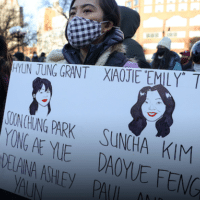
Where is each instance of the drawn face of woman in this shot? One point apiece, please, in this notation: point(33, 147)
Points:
point(43, 97)
point(153, 108)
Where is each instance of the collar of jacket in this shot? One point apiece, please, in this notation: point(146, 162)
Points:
point(72, 56)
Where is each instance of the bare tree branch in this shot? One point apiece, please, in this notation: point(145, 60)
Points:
point(64, 5)
point(10, 17)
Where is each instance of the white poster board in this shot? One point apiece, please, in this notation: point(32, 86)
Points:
point(93, 132)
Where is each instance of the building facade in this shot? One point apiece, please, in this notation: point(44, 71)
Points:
point(177, 19)
point(51, 27)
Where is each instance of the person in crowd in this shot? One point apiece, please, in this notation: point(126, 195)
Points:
point(19, 56)
point(195, 56)
point(130, 21)
point(164, 58)
point(35, 57)
point(42, 57)
point(5, 69)
point(27, 58)
point(93, 34)
point(186, 62)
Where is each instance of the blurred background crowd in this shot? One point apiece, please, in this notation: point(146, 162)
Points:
point(156, 34)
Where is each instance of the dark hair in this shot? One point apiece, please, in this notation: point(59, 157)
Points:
point(163, 124)
point(19, 56)
point(42, 54)
point(164, 62)
point(5, 57)
point(110, 11)
point(37, 85)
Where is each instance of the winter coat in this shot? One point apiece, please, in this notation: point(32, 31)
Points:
point(27, 58)
point(4, 80)
point(188, 66)
point(41, 59)
point(35, 59)
point(130, 21)
point(110, 52)
point(174, 58)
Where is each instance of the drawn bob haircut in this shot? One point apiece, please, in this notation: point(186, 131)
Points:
point(110, 11)
point(37, 85)
point(163, 124)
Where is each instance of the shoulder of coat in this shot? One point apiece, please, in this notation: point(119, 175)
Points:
point(134, 60)
point(104, 57)
point(56, 56)
point(119, 48)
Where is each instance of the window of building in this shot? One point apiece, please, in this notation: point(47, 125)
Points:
point(172, 34)
point(194, 6)
point(171, 8)
point(182, 7)
point(177, 34)
point(147, 2)
point(171, 1)
point(181, 34)
point(152, 22)
point(195, 20)
point(129, 4)
point(177, 45)
point(147, 9)
point(159, 8)
point(169, 34)
point(159, 1)
point(136, 2)
point(176, 21)
point(152, 35)
point(194, 34)
point(150, 45)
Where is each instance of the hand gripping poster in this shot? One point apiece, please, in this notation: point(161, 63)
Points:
point(78, 132)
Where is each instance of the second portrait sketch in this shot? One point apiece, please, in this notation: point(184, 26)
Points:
point(155, 104)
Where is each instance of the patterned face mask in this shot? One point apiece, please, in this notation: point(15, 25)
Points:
point(82, 32)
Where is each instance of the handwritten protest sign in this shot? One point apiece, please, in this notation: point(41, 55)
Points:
point(93, 132)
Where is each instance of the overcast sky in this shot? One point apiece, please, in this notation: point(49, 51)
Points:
point(31, 8)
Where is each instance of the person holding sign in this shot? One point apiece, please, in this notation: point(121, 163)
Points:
point(94, 35)
point(5, 68)
point(155, 104)
point(42, 92)
point(164, 58)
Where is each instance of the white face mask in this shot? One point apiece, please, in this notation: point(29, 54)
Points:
point(34, 54)
point(197, 67)
point(82, 32)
